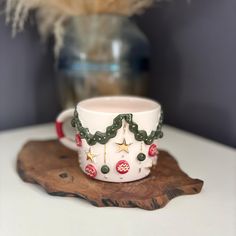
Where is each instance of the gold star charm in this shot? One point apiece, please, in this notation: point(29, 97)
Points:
point(123, 146)
point(90, 155)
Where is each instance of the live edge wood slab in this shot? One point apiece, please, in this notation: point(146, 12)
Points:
point(56, 169)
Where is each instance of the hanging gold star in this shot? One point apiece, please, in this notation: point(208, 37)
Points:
point(123, 146)
point(90, 155)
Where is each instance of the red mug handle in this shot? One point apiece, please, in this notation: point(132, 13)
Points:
point(62, 117)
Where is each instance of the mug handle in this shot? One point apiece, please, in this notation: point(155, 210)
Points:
point(62, 117)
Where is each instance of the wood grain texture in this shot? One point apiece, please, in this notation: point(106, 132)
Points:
point(56, 169)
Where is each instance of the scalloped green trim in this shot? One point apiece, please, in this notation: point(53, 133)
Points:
point(111, 131)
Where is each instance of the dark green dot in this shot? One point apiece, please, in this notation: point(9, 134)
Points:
point(141, 157)
point(105, 169)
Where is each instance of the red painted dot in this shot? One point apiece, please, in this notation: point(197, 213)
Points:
point(78, 140)
point(91, 171)
point(122, 167)
point(153, 150)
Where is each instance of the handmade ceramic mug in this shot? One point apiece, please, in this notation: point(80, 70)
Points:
point(115, 137)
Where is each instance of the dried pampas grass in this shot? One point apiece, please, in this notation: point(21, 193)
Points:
point(49, 12)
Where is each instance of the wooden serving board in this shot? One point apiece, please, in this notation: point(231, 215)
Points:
point(56, 169)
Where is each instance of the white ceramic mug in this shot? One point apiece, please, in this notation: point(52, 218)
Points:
point(115, 137)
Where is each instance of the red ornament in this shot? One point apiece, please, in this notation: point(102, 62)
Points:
point(78, 140)
point(153, 150)
point(122, 167)
point(91, 171)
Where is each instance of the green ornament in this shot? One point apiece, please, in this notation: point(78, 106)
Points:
point(105, 169)
point(141, 157)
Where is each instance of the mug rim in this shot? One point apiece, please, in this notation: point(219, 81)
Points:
point(154, 105)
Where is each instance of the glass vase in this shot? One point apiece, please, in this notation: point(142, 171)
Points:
point(101, 55)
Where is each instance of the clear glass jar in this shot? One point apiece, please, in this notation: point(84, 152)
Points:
point(101, 55)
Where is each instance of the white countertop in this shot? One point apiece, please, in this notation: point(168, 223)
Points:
point(26, 210)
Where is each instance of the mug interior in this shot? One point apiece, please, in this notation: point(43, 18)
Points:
point(119, 104)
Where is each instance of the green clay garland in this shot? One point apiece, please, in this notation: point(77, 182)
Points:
point(111, 131)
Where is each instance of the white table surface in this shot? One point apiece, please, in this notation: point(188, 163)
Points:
point(26, 210)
